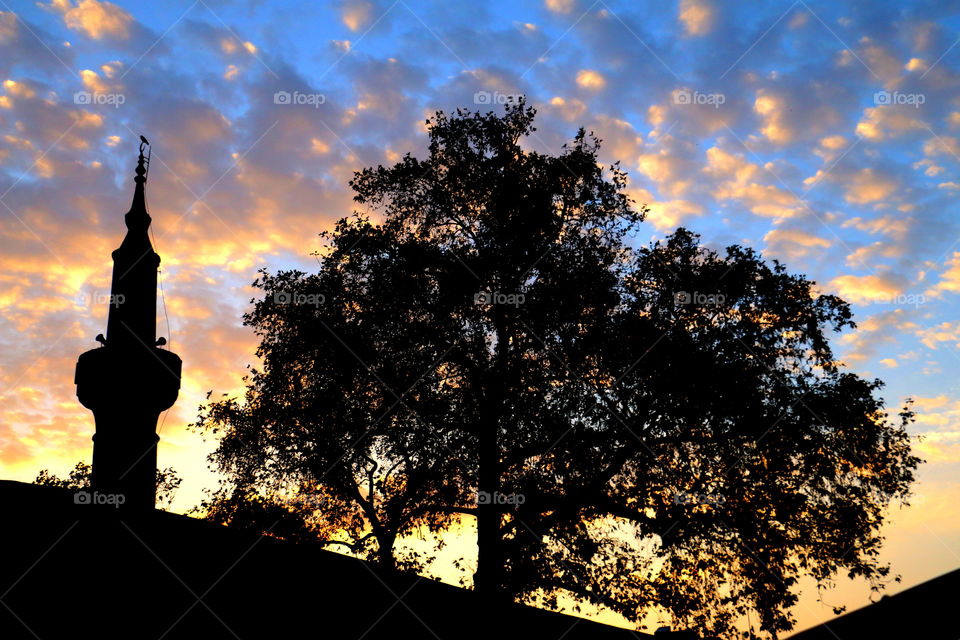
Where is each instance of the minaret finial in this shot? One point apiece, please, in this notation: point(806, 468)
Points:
point(139, 206)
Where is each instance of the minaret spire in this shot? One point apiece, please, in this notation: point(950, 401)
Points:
point(138, 208)
point(133, 310)
point(130, 380)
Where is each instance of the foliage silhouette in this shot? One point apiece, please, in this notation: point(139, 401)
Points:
point(663, 426)
point(167, 482)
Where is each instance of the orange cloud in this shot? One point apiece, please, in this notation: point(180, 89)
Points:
point(357, 14)
point(697, 17)
point(560, 6)
point(793, 243)
point(590, 79)
point(98, 20)
point(866, 289)
point(867, 185)
point(882, 122)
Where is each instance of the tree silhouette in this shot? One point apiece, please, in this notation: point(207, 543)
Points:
point(247, 509)
point(79, 478)
point(662, 426)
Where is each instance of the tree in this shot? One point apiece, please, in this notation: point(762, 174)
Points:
point(327, 422)
point(653, 427)
point(289, 520)
point(167, 482)
point(729, 436)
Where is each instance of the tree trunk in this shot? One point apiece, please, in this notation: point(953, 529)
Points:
point(385, 556)
point(488, 579)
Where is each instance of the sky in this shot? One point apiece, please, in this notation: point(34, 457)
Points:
point(823, 134)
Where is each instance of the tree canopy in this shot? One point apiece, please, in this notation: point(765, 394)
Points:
point(630, 426)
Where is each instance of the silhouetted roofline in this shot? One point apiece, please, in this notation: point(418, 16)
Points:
point(52, 544)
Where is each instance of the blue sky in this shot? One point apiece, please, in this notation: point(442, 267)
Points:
point(825, 134)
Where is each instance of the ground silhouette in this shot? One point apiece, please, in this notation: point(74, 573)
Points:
point(82, 571)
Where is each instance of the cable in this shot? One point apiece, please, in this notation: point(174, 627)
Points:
point(163, 298)
point(166, 317)
point(163, 420)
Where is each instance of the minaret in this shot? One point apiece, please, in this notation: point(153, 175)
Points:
point(129, 380)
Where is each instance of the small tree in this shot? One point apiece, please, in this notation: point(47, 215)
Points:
point(167, 482)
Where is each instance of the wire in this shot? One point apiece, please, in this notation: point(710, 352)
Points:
point(163, 420)
point(166, 316)
point(163, 298)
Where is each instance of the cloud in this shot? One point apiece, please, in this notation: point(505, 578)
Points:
point(735, 178)
point(867, 289)
point(793, 243)
point(560, 6)
point(590, 80)
point(691, 113)
point(868, 256)
point(668, 169)
point(92, 81)
point(570, 109)
point(944, 332)
point(789, 111)
point(97, 20)
point(8, 26)
point(938, 421)
point(868, 185)
point(621, 141)
point(26, 44)
point(697, 17)
point(941, 447)
point(357, 14)
point(772, 108)
point(878, 330)
point(942, 145)
point(880, 123)
point(230, 46)
point(949, 279)
point(895, 226)
point(729, 166)
point(833, 142)
point(668, 215)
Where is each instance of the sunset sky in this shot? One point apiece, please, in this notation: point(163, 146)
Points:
point(824, 134)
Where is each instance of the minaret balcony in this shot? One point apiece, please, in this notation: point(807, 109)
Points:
point(147, 377)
